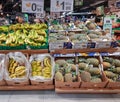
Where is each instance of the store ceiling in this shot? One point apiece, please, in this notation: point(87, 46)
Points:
point(90, 5)
point(15, 5)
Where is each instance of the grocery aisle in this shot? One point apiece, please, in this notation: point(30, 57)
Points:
point(50, 96)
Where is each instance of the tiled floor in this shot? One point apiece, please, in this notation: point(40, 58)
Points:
point(50, 96)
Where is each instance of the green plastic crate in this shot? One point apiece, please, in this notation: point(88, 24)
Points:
point(22, 47)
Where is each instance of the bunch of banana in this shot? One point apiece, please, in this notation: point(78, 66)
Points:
point(15, 70)
point(36, 68)
point(26, 26)
point(41, 32)
point(42, 68)
point(47, 72)
point(47, 67)
point(47, 62)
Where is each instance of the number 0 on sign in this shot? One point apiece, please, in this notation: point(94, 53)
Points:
point(61, 5)
point(33, 6)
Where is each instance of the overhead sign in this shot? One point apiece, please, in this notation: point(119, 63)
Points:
point(61, 5)
point(32, 6)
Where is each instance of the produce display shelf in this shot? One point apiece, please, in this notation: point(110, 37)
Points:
point(25, 51)
point(65, 51)
point(86, 91)
point(27, 87)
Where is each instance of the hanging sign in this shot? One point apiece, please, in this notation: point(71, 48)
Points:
point(32, 6)
point(61, 5)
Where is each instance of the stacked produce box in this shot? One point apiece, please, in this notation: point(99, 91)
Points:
point(80, 36)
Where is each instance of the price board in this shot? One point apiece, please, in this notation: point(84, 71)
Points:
point(32, 6)
point(61, 5)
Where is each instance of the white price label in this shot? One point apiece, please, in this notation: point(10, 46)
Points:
point(61, 5)
point(32, 6)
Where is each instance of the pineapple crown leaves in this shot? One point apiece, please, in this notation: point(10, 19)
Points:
point(70, 61)
point(56, 67)
point(108, 59)
point(83, 60)
point(68, 69)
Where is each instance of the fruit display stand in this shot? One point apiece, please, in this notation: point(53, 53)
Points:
point(44, 86)
point(61, 90)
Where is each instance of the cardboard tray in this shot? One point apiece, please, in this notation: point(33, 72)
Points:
point(95, 85)
point(68, 84)
point(34, 82)
point(113, 84)
point(12, 83)
point(2, 83)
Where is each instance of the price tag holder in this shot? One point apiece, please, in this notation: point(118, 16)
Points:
point(61, 5)
point(32, 6)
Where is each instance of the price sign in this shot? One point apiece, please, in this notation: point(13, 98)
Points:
point(107, 27)
point(32, 6)
point(61, 5)
point(40, 15)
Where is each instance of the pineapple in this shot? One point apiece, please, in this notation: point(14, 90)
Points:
point(93, 61)
point(117, 62)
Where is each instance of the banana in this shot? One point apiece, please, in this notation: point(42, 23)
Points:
point(11, 64)
point(48, 62)
point(34, 73)
point(21, 73)
point(39, 73)
point(10, 70)
point(45, 59)
point(38, 63)
point(19, 69)
point(38, 69)
point(13, 70)
point(13, 76)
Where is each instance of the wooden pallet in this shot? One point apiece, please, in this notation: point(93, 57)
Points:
point(86, 91)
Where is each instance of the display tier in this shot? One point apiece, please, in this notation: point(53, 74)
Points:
point(42, 86)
